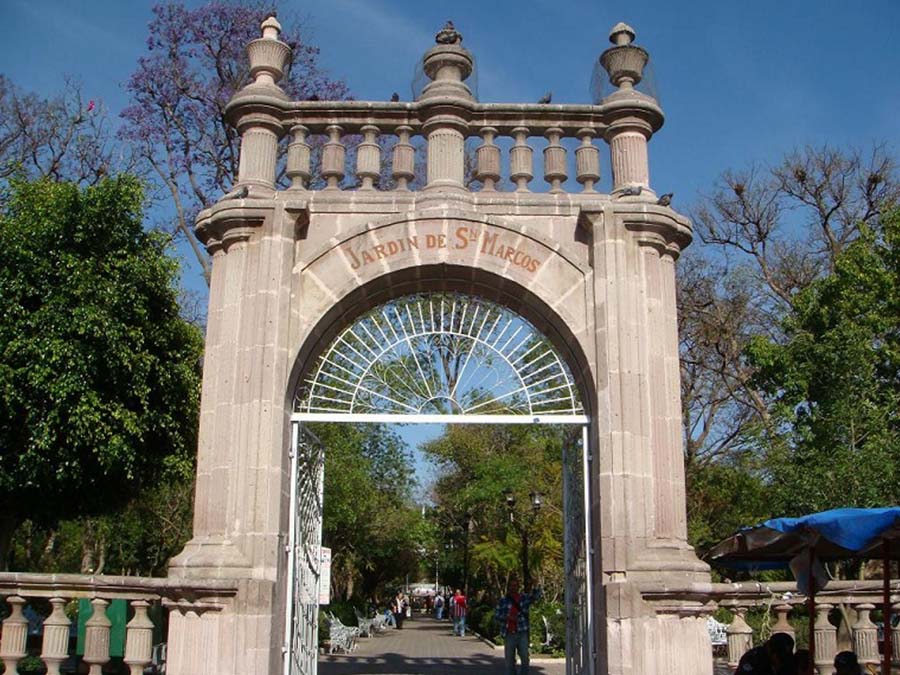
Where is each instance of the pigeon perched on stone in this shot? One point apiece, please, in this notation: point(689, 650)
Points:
point(240, 193)
point(546, 98)
point(631, 191)
point(666, 199)
point(312, 97)
point(395, 97)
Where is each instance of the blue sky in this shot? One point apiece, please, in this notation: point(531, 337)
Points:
point(740, 82)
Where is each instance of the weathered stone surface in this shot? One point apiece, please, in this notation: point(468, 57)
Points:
point(594, 272)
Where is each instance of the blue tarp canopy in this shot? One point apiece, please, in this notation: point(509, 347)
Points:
point(835, 534)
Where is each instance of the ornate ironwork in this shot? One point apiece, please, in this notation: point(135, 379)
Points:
point(305, 551)
point(576, 561)
point(440, 353)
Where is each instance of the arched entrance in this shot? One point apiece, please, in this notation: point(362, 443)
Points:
point(593, 272)
point(451, 358)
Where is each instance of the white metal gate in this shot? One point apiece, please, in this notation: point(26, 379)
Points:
point(577, 557)
point(304, 552)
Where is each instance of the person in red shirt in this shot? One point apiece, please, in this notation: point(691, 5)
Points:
point(512, 614)
point(459, 613)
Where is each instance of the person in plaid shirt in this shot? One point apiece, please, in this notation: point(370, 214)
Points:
point(512, 615)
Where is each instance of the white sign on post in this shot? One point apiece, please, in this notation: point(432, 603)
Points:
point(325, 576)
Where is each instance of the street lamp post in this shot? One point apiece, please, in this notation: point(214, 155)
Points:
point(537, 501)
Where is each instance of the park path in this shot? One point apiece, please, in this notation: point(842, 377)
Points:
point(426, 646)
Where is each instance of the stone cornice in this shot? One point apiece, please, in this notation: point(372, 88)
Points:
point(538, 118)
point(653, 225)
point(231, 220)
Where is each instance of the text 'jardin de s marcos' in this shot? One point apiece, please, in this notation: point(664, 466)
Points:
point(474, 240)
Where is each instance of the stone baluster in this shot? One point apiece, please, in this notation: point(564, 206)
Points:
point(555, 160)
point(55, 649)
point(587, 160)
point(865, 635)
point(826, 640)
point(368, 158)
point(15, 635)
point(895, 637)
point(298, 158)
point(404, 159)
point(521, 160)
point(139, 639)
point(333, 158)
point(488, 160)
point(96, 637)
point(740, 637)
point(782, 625)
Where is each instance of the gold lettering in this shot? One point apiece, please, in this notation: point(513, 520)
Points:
point(354, 261)
point(462, 238)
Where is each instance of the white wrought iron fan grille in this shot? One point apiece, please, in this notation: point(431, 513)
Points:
point(440, 353)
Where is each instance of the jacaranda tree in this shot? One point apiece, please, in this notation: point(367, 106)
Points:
point(195, 62)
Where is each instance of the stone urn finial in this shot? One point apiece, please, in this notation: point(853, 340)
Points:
point(621, 34)
point(448, 35)
point(447, 64)
point(624, 62)
point(269, 56)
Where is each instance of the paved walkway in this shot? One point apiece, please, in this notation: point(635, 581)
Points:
point(425, 646)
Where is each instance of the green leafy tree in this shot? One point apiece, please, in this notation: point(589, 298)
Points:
point(370, 522)
point(834, 383)
point(478, 467)
point(99, 375)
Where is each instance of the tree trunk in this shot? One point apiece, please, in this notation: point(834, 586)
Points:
point(8, 525)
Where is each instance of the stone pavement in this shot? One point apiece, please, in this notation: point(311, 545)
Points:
point(426, 646)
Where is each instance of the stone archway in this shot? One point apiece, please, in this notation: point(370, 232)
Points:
point(447, 357)
point(594, 271)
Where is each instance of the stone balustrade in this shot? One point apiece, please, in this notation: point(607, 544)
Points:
point(57, 590)
point(371, 142)
point(859, 598)
point(383, 136)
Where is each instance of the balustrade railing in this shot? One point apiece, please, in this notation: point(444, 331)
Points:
point(442, 119)
point(781, 600)
point(373, 149)
point(58, 590)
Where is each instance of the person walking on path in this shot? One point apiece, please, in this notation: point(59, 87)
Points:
point(459, 613)
point(512, 615)
point(398, 610)
point(438, 607)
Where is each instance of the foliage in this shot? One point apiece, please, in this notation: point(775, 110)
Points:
point(833, 384)
point(369, 520)
point(770, 234)
point(195, 62)
point(99, 378)
point(477, 464)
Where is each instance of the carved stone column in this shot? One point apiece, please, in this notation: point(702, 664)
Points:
point(636, 116)
point(96, 637)
point(782, 625)
point(740, 637)
point(254, 119)
point(446, 103)
point(826, 640)
point(139, 639)
point(15, 634)
point(865, 636)
point(55, 648)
